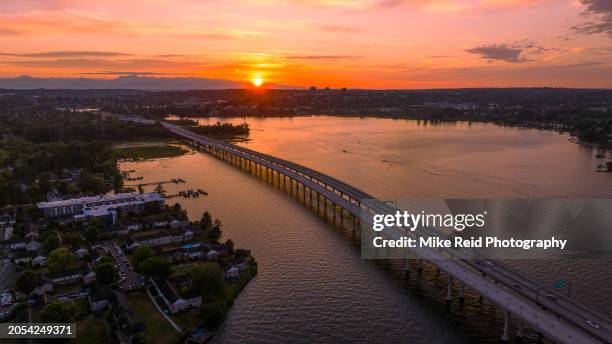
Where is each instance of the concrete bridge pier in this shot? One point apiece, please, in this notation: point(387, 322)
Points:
point(449, 289)
point(420, 266)
point(462, 292)
point(407, 268)
point(505, 334)
point(520, 330)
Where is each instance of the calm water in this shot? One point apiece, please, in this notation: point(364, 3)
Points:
point(312, 285)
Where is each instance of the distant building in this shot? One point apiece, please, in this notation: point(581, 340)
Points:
point(109, 207)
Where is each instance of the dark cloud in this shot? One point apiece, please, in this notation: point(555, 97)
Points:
point(69, 53)
point(501, 52)
point(515, 52)
point(322, 57)
point(599, 13)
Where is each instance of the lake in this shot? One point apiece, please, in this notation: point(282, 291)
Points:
point(312, 285)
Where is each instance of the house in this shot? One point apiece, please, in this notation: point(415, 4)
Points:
point(239, 263)
point(164, 238)
point(39, 261)
point(13, 244)
point(229, 271)
point(177, 293)
point(69, 276)
point(89, 278)
point(80, 252)
point(23, 257)
point(43, 288)
point(133, 225)
point(221, 249)
point(33, 246)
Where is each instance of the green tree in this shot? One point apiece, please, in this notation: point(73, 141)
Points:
point(92, 233)
point(230, 246)
point(206, 221)
point(156, 267)
point(140, 255)
point(212, 313)
point(58, 312)
point(106, 273)
point(27, 282)
point(208, 279)
point(59, 259)
point(50, 241)
point(213, 234)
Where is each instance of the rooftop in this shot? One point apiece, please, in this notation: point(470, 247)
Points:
point(104, 200)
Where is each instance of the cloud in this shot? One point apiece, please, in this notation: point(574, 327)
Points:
point(67, 53)
point(514, 52)
point(109, 72)
point(339, 28)
point(599, 13)
point(322, 57)
point(8, 32)
point(102, 64)
point(501, 52)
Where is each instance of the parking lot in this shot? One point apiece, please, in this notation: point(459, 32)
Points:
point(129, 279)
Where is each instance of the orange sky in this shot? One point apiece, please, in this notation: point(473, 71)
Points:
point(336, 43)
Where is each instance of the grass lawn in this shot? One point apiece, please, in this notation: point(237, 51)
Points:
point(157, 328)
point(188, 319)
point(149, 152)
point(92, 331)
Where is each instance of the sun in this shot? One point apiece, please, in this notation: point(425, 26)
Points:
point(258, 81)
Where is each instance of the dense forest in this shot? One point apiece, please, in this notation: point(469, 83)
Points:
point(218, 130)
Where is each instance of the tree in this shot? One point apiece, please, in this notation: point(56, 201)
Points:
point(230, 246)
point(206, 221)
point(212, 313)
point(208, 279)
point(59, 259)
point(58, 312)
point(72, 238)
point(92, 233)
point(105, 259)
point(106, 273)
point(27, 282)
point(213, 234)
point(50, 241)
point(155, 267)
point(140, 255)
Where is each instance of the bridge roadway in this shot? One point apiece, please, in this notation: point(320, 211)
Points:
point(556, 316)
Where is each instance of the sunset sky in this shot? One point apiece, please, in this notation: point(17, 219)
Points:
point(336, 43)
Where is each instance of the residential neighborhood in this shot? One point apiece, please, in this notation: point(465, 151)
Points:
point(93, 256)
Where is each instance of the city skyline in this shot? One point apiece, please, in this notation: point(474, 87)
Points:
point(337, 43)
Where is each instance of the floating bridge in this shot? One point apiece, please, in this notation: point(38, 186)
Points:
point(519, 297)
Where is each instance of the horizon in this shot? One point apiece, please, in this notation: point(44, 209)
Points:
point(371, 44)
point(248, 86)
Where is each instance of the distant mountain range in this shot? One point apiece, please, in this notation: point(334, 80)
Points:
point(127, 82)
